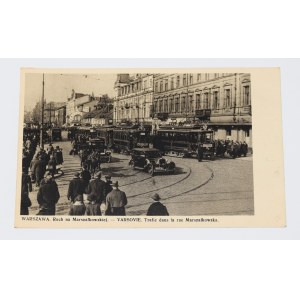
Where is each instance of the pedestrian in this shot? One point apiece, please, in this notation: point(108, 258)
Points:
point(108, 183)
point(116, 201)
point(58, 155)
point(39, 169)
point(77, 208)
point(85, 175)
point(92, 208)
point(52, 165)
point(25, 189)
point(200, 152)
point(97, 187)
point(157, 208)
point(76, 188)
point(48, 196)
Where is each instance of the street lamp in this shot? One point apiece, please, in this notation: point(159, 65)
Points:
point(42, 117)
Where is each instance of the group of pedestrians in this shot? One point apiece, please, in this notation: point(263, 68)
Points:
point(88, 195)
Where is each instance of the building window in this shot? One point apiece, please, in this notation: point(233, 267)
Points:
point(178, 81)
point(183, 104)
point(216, 99)
point(198, 77)
point(171, 105)
point(184, 80)
point(145, 84)
point(166, 105)
point(227, 98)
point(191, 78)
point(216, 75)
point(166, 85)
point(161, 86)
point(198, 104)
point(177, 104)
point(156, 86)
point(191, 103)
point(205, 102)
point(172, 83)
point(228, 132)
point(160, 106)
point(206, 76)
point(246, 94)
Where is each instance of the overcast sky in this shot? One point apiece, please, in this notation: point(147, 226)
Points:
point(58, 87)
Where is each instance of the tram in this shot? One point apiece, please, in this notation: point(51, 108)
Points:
point(127, 138)
point(185, 141)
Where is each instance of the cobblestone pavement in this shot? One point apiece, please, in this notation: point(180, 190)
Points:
point(219, 187)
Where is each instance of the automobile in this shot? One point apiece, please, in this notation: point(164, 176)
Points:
point(55, 134)
point(98, 144)
point(151, 161)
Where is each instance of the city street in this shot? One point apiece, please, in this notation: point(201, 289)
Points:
point(219, 187)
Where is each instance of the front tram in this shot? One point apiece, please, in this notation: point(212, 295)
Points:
point(125, 139)
point(185, 142)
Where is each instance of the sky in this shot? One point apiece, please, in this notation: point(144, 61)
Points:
point(58, 87)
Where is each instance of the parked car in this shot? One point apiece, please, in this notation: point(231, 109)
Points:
point(151, 161)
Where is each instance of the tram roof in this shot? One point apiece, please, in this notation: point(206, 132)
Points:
point(145, 149)
point(184, 130)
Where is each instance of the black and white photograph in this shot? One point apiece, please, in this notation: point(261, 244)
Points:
point(116, 144)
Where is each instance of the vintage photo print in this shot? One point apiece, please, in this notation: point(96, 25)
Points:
point(150, 148)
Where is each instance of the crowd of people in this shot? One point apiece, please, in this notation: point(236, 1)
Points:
point(87, 192)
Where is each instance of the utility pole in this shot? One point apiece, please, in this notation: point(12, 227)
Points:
point(42, 117)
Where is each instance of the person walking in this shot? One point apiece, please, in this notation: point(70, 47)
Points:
point(25, 189)
point(157, 208)
point(52, 165)
point(48, 196)
point(92, 208)
point(116, 201)
point(108, 183)
point(76, 188)
point(97, 187)
point(39, 169)
point(85, 175)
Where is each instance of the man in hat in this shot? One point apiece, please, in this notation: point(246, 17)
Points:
point(48, 196)
point(116, 201)
point(97, 187)
point(39, 169)
point(156, 208)
point(58, 156)
point(76, 188)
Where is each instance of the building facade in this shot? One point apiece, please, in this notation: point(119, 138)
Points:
point(134, 99)
point(60, 115)
point(78, 105)
point(221, 100)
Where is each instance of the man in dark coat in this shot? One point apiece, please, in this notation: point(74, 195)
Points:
point(156, 208)
point(116, 201)
point(76, 188)
point(52, 165)
point(48, 196)
point(26, 188)
point(39, 169)
point(108, 183)
point(97, 187)
point(86, 176)
point(58, 156)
